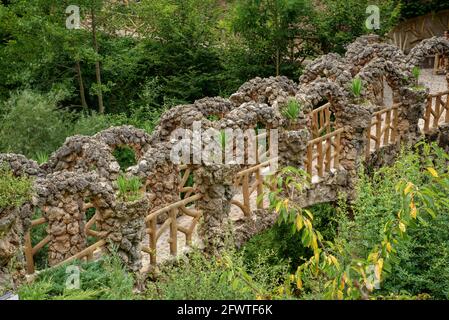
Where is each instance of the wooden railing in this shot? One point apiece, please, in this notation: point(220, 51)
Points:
point(321, 121)
point(323, 153)
point(383, 129)
point(154, 232)
point(30, 250)
point(436, 107)
point(251, 180)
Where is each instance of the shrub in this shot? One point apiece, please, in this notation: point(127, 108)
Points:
point(14, 191)
point(105, 279)
point(416, 71)
point(32, 124)
point(211, 277)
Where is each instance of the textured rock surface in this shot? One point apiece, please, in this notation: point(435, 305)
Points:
point(82, 173)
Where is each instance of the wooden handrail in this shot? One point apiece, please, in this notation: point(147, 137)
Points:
point(326, 136)
point(173, 206)
point(83, 253)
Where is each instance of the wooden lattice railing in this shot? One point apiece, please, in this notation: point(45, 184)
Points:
point(251, 180)
point(87, 254)
point(321, 121)
point(154, 232)
point(323, 153)
point(383, 129)
point(437, 106)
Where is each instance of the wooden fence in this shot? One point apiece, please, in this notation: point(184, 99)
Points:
point(251, 180)
point(437, 106)
point(383, 129)
point(323, 153)
point(321, 121)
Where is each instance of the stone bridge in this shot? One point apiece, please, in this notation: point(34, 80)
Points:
point(334, 134)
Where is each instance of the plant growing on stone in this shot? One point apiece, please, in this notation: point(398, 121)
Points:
point(416, 71)
point(129, 188)
point(292, 109)
point(356, 87)
point(14, 191)
point(41, 157)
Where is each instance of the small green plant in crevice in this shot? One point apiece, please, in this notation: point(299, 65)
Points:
point(41, 157)
point(416, 71)
point(292, 110)
point(130, 189)
point(14, 191)
point(213, 117)
point(356, 87)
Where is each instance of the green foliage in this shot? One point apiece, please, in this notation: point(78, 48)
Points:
point(129, 188)
point(33, 124)
point(213, 278)
point(125, 156)
point(356, 87)
point(416, 71)
point(340, 22)
point(292, 110)
point(105, 279)
point(14, 191)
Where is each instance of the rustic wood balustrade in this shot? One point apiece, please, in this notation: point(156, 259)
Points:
point(436, 107)
point(383, 129)
point(30, 250)
point(322, 151)
point(321, 121)
point(154, 233)
point(251, 180)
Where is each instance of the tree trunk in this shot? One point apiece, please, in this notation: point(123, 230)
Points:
point(97, 64)
point(81, 85)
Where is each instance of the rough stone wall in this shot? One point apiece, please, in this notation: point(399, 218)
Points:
point(84, 170)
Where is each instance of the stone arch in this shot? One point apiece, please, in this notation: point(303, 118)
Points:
point(432, 46)
point(330, 66)
point(264, 91)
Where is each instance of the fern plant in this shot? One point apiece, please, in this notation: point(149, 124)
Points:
point(129, 188)
point(356, 87)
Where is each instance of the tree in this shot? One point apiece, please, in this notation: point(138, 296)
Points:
point(277, 29)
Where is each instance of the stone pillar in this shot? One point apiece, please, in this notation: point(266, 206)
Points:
point(412, 108)
point(14, 223)
point(125, 229)
point(66, 223)
point(215, 183)
point(293, 148)
point(356, 120)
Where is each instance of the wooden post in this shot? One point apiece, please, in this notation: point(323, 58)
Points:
point(436, 115)
point(387, 128)
point(310, 159)
point(153, 240)
point(427, 115)
point(320, 161)
point(245, 191)
point(173, 232)
point(328, 154)
point(378, 131)
point(29, 253)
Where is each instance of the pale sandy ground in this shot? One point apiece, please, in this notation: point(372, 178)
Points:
point(435, 83)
